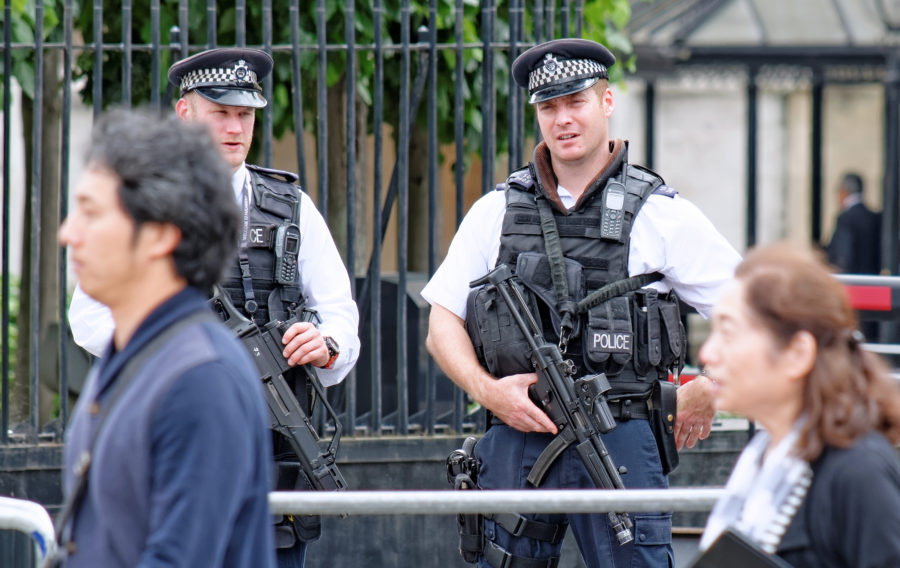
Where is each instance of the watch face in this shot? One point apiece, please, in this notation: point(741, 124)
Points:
point(332, 346)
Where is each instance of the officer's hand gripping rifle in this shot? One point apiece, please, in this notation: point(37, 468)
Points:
point(578, 407)
point(286, 414)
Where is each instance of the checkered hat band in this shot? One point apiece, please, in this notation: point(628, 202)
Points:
point(564, 71)
point(217, 78)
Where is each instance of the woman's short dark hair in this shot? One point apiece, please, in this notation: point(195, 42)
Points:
point(171, 172)
point(849, 391)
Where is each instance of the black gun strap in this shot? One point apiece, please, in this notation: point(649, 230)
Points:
point(517, 525)
point(250, 304)
point(125, 377)
point(564, 305)
point(496, 556)
point(617, 288)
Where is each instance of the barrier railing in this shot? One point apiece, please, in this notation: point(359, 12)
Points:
point(873, 297)
point(498, 501)
point(32, 519)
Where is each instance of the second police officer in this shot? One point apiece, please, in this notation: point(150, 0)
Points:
point(221, 89)
point(612, 220)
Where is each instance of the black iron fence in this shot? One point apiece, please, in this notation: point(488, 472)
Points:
point(414, 93)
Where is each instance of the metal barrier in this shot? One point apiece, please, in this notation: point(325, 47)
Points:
point(32, 519)
point(873, 297)
point(877, 299)
point(499, 501)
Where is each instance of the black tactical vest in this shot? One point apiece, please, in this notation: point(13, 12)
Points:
point(275, 201)
point(634, 338)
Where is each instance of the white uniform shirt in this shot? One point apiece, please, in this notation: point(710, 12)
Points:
point(669, 235)
point(324, 282)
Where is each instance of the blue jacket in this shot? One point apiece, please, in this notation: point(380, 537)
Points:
point(181, 471)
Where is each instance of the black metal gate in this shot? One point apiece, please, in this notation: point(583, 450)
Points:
point(433, 71)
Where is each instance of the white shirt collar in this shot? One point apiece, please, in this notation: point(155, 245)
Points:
point(851, 200)
point(238, 179)
point(565, 197)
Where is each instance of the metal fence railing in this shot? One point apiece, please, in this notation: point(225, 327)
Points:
point(414, 88)
point(495, 501)
point(33, 520)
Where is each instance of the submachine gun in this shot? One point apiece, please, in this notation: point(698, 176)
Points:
point(578, 407)
point(285, 412)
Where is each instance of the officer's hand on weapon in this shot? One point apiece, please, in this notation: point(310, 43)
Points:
point(696, 410)
point(304, 344)
point(508, 399)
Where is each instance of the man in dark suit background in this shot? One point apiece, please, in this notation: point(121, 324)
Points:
point(855, 246)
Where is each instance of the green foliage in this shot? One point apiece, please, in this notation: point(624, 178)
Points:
point(604, 20)
point(22, 31)
point(13, 325)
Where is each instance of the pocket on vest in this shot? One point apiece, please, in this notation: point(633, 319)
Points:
point(609, 339)
point(501, 346)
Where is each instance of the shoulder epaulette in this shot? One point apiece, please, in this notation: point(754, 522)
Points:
point(649, 176)
point(277, 174)
point(665, 191)
point(520, 179)
point(647, 171)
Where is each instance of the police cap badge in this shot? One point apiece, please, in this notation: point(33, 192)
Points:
point(228, 76)
point(561, 67)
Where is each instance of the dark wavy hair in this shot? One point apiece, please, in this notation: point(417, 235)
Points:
point(171, 172)
point(849, 391)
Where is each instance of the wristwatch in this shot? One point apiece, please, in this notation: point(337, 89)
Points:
point(333, 352)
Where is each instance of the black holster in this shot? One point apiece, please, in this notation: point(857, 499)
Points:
point(290, 528)
point(663, 408)
point(462, 473)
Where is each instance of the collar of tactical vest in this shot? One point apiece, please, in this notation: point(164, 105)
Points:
point(549, 183)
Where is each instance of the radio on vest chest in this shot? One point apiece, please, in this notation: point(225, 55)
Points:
point(613, 212)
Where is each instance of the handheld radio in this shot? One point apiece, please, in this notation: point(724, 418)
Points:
point(287, 249)
point(613, 215)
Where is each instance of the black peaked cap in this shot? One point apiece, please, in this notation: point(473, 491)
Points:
point(228, 75)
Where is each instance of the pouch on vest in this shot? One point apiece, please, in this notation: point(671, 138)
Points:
point(647, 348)
point(498, 341)
point(673, 335)
point(609, 339)
point(533, 270)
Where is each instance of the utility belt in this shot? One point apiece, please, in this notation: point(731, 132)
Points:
point(621, 409)
point(659, 407)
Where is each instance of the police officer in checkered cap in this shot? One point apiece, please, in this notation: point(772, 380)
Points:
point(227, 76)
point(561, 67)
point(612, 221)
point(221, 89)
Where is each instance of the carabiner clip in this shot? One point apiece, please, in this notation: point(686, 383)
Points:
point(563, 340)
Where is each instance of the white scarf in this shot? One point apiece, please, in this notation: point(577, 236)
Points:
point(763, 492)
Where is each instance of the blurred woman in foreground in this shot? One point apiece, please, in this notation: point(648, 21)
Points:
point(819, 485)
